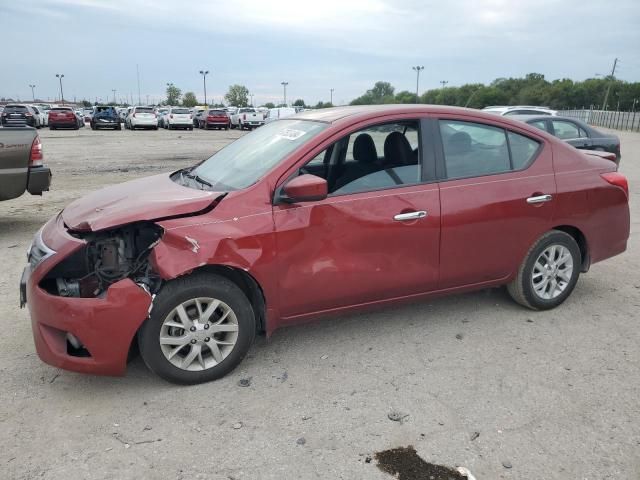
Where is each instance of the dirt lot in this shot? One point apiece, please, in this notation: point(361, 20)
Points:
point(553, 395)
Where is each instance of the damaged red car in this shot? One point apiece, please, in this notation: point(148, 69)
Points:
point(324, 212)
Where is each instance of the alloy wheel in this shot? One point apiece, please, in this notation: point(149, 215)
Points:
point(552, 272)
point(199, 334)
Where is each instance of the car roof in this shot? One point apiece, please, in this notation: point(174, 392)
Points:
point(334, 114)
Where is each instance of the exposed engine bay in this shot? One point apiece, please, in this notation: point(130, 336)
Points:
point(108, 257)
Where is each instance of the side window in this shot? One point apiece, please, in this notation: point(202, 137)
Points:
point(541, 124)
point(565, 130)
point(473, 149)
point(523, 149)
point(377, 157)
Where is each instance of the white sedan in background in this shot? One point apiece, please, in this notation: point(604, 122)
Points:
point(141, 117)
point(279, 112)
point(177, 117)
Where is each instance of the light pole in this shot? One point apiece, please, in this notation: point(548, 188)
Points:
point(251, 95)
point(204, 74)
point(284, 85)
point(331, 97)
point(443, 82)
point(417, 69)
point(114, 95)
point(60, 76)
point(33, 95)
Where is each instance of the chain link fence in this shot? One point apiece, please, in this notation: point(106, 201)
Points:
point(606, 118)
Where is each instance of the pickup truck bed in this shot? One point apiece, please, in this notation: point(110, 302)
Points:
point(21, 167)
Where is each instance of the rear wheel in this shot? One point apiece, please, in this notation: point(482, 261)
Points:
point(200, 328)
point(549, 272)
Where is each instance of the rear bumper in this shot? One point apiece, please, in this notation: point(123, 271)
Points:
point(39, 180)
point(67, 124)
point(110, 124)
point(219, 123)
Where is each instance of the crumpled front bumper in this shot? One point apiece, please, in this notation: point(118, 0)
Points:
point(104, 325)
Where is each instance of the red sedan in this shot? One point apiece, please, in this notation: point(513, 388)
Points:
point(324, 212)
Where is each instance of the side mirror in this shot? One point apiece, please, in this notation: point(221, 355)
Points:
point(305, 188)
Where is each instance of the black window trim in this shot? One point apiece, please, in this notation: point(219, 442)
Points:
point(441, 167)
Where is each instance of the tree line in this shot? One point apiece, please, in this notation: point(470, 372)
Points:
point(533, 89)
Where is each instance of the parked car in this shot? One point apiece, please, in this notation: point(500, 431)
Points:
point(122, 113)
point(40, 116)
point(160, 113)
point(279, 112)
point(178, 117)
point(519, 110)
point(315, 214)
point(44, 111)
point(21, 167)
point(246, 117)
point(87, 114)
point(17, 115)
point(141, 117)
point(575, 132)
point(214, 118)
point(194, 115)
point(64, 117)
point(105, 117)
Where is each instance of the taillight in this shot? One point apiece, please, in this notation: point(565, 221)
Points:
point(28, 115)
point(171, 116)
point(209, 117)
point(35, 158)
point(618, 180)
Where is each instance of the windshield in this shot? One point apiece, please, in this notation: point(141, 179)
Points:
point(179, 110)
point(144, 110)
point(243, 162)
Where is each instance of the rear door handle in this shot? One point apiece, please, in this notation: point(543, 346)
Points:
point(403, 217)
point(539, 199)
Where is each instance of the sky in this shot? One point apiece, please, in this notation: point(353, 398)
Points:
point(346, 45)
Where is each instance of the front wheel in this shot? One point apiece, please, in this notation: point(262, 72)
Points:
point(201, 327)
point(549, 272)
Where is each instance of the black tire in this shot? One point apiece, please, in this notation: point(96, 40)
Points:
point(173, 294)
point(521, 288)
point(118, 127)
point(206, 126)
point(169, 126)
point(51, 127)
point(191, 129)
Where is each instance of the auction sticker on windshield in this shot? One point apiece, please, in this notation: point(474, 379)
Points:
point(290, 134)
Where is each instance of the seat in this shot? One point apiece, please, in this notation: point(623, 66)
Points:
point(397, 151)
point(365, 156)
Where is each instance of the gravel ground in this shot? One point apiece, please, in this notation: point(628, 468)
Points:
point(553, 395)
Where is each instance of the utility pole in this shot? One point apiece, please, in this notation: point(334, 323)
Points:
point(138, 77)
point(611, 79)
point(33, 95)
point(204, 74)
point(251, 95)
point(331, 101)
point(284, 84)
point(418, 69)
point(443, 82)
point(60, 76)
point(114, 95)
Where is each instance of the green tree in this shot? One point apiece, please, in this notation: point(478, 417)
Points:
point(406, 97)
point(173, 94)
point(269, 105)
point(189, 100)
point(382, 92)
point(299, 103)
point(238, 96)
point(322, 104)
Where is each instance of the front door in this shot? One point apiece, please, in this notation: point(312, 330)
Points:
point(377, 235)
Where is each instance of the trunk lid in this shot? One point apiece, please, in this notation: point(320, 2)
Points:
point(148, 198)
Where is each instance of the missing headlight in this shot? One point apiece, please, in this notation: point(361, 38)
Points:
point(108, 257)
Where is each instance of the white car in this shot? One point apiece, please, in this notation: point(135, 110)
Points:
point(42, 118)
point(178, 117)
point(519, 110)
point(279, 112)
point(44, 109)
point(246, 117)
point(141, 117)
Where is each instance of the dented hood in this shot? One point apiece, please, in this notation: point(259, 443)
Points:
point(148, 198)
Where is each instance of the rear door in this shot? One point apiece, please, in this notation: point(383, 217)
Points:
point(497, 197)
point(571, 133)
point(376, 236)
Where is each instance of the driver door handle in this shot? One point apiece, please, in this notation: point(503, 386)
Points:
point(403, 217)
point(539, 199)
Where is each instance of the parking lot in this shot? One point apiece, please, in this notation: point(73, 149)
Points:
point(475, 379)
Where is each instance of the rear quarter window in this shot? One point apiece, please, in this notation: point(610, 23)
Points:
point(523, 150)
